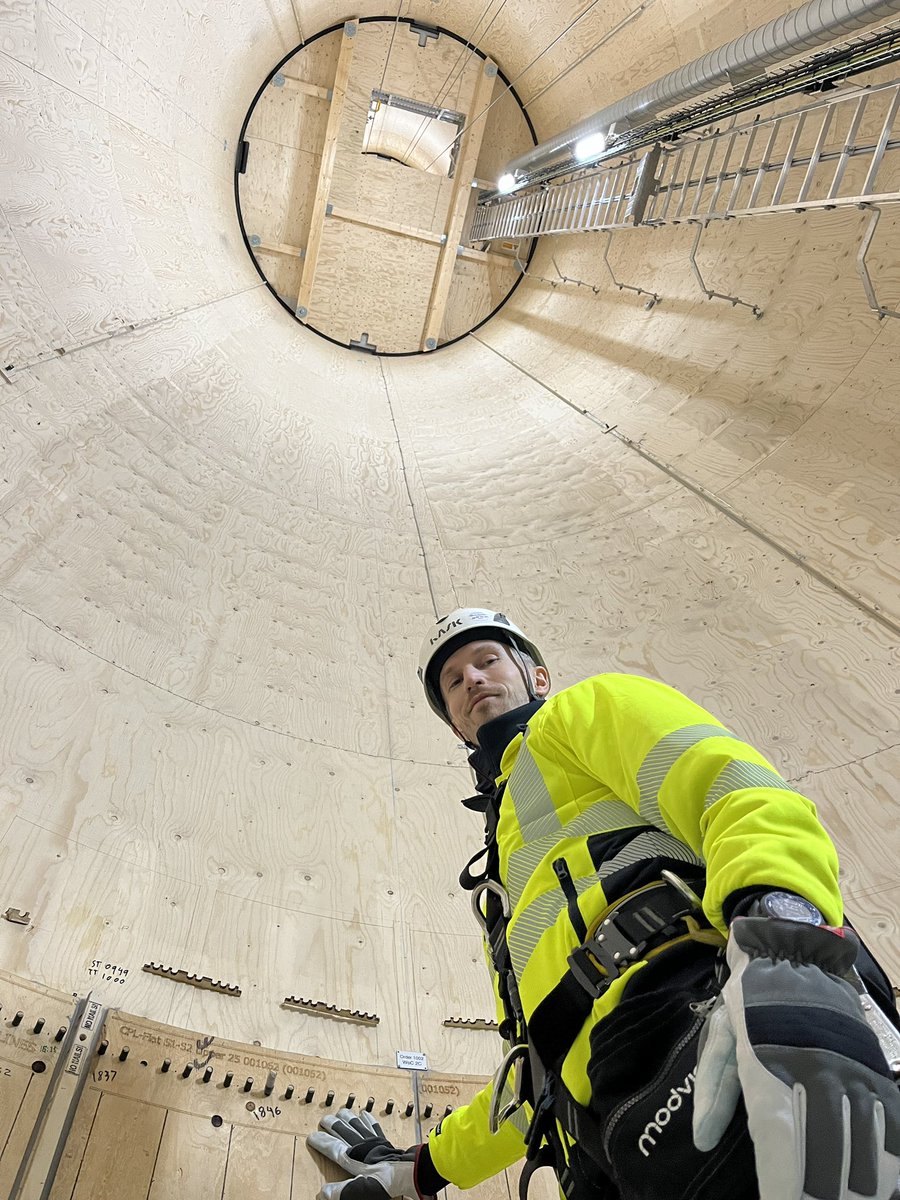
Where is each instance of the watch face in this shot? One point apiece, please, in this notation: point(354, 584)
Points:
point(791, 908)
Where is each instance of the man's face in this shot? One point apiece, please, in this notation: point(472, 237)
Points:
point(481, 681)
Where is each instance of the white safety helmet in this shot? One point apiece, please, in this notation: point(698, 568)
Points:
point(461, 626)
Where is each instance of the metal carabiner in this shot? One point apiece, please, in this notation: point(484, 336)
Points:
point(488, 885)
point(496, 1114)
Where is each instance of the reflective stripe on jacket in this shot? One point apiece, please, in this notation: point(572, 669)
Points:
point(611, 774)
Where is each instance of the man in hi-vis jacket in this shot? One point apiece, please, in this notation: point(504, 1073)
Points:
point(685, 1013)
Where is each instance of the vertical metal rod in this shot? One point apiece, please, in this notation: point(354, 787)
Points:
point(869, 185)
point(578, 216)
point(537, 209)
point(849, 145)
point(37, 1170)
point(625, 173)
point(571, 190)
point(672, 184)
point(510, 215)
point(803, 194)
point(655, 194)
point(741, 171)
point(761, 173)
point(588, 215)
point(603, 203)
point(701, 183)
point(723, 170)
point(416, 1106)
point(788, 159)
point(687, 182)
point(527, 211)
point(550, 198)
point(510, 220)
point(559, 208)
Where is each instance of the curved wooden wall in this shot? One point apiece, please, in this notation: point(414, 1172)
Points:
point(221, 538)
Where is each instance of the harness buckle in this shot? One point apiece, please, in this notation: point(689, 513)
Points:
point(610, 949)
point(497, 1114)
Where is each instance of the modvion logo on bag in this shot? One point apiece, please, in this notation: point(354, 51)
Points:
point(663, 1115)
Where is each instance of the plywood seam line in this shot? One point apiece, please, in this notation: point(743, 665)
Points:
point(227, 716)
point(851, 763)
point(412, 506)
point(799, 560)
point(877, 332)
point(18, 1114)
point(512, 83)
point(131, 327)
point(87, 1143)
point(129, 65)
point(879, 891)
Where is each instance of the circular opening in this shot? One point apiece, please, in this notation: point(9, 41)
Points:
point(38, 1066)
point(360, 164)
point(217, 1121)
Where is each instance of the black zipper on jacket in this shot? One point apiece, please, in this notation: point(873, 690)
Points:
point(567, 883)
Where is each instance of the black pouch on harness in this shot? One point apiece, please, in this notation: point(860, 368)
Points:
point(641, 1071)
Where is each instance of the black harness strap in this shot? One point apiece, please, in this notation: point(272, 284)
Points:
point(512, 1028)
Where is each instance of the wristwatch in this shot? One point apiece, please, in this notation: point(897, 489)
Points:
point(787, 906)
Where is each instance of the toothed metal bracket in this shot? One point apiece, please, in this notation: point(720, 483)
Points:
point(198, 981)
point(17, 916)
point(476, 1023)
point(321, 1009)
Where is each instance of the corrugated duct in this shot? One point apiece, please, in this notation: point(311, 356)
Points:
point(803, 29)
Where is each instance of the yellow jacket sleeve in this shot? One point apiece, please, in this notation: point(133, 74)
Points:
point(465, 1151)
point(684, 772)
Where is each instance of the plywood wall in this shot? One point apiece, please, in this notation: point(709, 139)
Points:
point(173, 1112)
point(221, 538)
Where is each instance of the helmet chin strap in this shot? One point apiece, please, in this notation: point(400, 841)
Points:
point(516, 655)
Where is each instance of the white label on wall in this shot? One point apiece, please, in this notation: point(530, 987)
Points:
point(411, 1060)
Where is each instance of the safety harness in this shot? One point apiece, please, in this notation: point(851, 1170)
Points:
point(638, 926)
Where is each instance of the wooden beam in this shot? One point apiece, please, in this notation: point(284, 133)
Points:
point(326, 170)
point(459, 202)
point(278, 248)
point(308, 89)
point(410, 231)
point(486, 256)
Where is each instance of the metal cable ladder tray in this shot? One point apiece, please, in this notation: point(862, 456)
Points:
point(833, 153)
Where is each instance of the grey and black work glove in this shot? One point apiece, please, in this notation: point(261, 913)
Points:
point(356, 1143)
point(789, 1033)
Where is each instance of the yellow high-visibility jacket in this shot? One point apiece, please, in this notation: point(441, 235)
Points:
point(620, 752)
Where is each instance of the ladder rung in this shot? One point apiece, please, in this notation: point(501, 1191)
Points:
point(701, 183)
point(878, 155)
point(816, 155)
point(761, 173)
point(848, 146)
point(687, 181)
point(789, 159)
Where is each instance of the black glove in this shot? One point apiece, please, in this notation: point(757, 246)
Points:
point(789, 1032)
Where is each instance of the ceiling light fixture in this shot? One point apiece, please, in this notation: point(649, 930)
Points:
point(591, 146)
